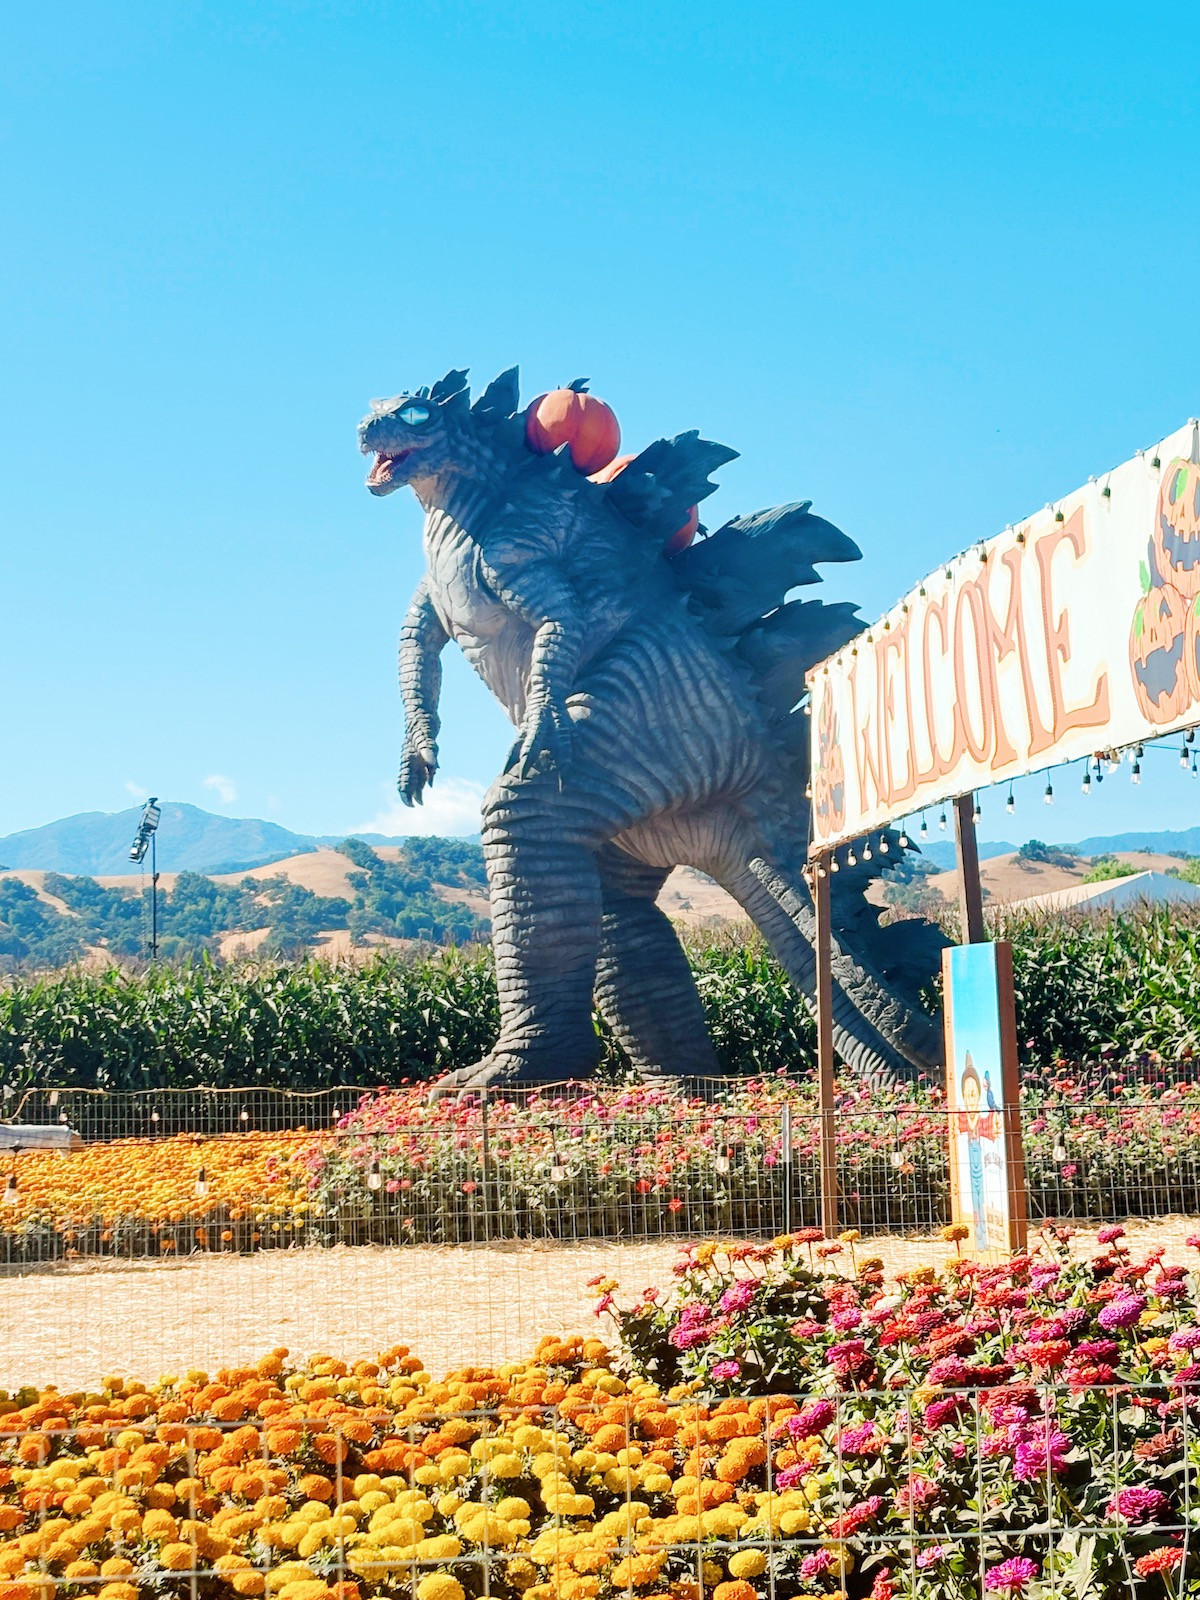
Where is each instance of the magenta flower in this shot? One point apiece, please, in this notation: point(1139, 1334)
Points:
point(1138, 1504)
point(813, 1419)
point(739, 1296)
point(1011, 1576)
point(726, 1370)
point(1110, 1235)
point(1123, 1312)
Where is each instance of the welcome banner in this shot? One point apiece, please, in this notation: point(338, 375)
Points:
point(1075, 631)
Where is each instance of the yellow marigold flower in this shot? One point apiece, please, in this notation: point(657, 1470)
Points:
point(954, 1232)
point(177, 1558)
point(440, 1586)
point(747, 1563)
point(850, 1236)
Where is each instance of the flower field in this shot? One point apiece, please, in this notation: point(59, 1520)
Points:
point(606, 1163)
point(779, 1422)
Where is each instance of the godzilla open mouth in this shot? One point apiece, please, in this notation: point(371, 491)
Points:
point(384, 470)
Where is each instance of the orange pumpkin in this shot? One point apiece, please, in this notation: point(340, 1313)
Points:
point(829, 779)
point(573, 417)
point(1175, 547)
point(683, 536)
point(1161, 678)
point(1191, 647)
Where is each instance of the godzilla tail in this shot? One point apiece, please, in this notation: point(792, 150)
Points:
point(876, 1033)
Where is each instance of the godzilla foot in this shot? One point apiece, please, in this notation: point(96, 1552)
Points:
point(502, 1069)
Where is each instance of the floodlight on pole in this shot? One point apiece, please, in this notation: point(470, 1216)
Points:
point(146, 838)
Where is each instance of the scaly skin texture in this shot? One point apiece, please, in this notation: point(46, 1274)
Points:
point(654, 700)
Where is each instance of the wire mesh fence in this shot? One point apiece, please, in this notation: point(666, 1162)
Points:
point(372, 1479)
point(181, 1171)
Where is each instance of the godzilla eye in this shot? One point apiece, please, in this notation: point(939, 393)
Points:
point(414, 416)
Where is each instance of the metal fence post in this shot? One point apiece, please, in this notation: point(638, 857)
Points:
point(785, 1137)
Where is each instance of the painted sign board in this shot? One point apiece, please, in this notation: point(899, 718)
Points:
point(1076, 631)
point(987, 1164)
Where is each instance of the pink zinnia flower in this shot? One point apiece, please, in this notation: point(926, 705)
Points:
point(1138, 1504)
point(1011, 1576)
point(1123, 1312)
point(725, 1370)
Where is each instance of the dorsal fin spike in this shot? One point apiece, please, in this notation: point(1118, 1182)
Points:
point(447, 388)
point(502, 396)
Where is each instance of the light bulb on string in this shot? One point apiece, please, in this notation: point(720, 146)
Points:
point(374, 1177)
point(1135, 772)
point(866, 855)
point(884, 846)
point(833, 863)
point(923, 830)
point(1139, 751)
point(1190, 736)
point(1194, 772)
point(903, 840)
point(1086, 785)
point(1048, 793)
point(1010, 805)
point(942, 822)
point(1183, 756)
point(976, 810)
point(201, 1184)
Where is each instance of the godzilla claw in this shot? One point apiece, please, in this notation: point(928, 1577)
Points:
point(417, 767)
point(545, 742)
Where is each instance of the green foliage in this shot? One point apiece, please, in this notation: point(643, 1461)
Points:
point(1188, 870)
point(1129, 983)
point(397, 898)
point(306, 1025)
point(1104, 868)
point(1052, 855)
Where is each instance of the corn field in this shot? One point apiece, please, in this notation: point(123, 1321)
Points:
point(1085, 987)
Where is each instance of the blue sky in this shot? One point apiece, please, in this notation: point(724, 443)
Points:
point(929, 266)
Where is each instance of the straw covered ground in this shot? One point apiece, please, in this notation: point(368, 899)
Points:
point(452, 1305)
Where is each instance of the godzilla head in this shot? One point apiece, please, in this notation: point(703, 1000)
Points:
point(432, 432)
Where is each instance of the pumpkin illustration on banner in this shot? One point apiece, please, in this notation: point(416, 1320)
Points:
point(829, 780)
point(1162, 681)
point(1175, 547)
point(573, 417)
point(683, 536)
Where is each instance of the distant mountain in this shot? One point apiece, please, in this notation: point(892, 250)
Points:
point(938, 852)
point(1184, 842)
point(96, 843)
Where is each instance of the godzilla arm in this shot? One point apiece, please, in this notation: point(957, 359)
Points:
point(538, 594)
point(422, 640)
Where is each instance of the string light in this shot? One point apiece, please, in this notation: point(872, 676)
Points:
point(1010, 805)
point(1194, 772)
point(11, 1197)
point(1135, 772)
point(942, 821)
point(833, 863)
point(374, 1178)
point(1183, 757)
point(884, 846)
point(976, 810)
point(903, 840)
point(1086, 785)
point(851, 858)
point(924, 828)
point(866, 855)
point(201, 1184)
point(1048, 795)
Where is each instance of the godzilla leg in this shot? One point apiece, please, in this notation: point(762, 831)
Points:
point(644, 985)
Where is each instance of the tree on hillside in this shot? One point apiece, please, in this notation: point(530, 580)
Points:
point(1035, 852)
point(1105, 867)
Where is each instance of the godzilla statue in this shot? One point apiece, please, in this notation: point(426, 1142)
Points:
point(657, 703)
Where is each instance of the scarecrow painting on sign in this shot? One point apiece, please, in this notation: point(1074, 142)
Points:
point(978, 1069)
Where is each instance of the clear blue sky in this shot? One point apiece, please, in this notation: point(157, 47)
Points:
point(928, 266)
